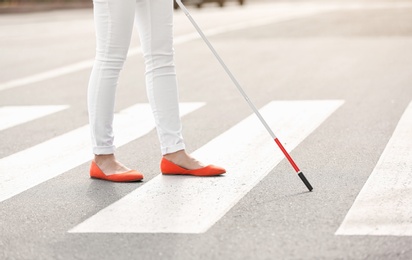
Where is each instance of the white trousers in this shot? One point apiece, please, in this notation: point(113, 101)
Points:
point(114, 21)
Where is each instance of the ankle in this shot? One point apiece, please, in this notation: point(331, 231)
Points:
point(104, 158)
point(175, 155)
point(109, 164)
point(183, 159)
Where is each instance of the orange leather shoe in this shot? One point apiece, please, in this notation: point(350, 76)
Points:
point(129, 176)
point(169, 168)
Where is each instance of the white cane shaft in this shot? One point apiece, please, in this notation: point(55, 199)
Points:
point(262, 120)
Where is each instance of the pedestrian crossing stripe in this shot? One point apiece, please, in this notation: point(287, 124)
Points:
point(178, 39)
point(11, 116)
point(384, 205)
point(30, 167)
point(185, 204)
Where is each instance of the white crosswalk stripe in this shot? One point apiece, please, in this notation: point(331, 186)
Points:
point(28, 168)
point(384, 205)
point(178, 204)
point(179, 39)
point(15, 115)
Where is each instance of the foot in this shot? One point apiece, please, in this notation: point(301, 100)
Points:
point(109, 165)
point(184, 160)
point(106, 167)
point(169, 168)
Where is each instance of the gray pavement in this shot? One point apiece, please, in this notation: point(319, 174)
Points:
point(359, 52)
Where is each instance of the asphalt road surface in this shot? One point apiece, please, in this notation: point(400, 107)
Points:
point(332, 79)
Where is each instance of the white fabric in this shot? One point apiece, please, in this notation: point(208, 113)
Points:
point(114, 24)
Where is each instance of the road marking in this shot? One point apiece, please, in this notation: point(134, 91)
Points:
point(277, 12)
point(87, 64)
point(179, 204)
point(384, 205)
point(28, 168)
point(15, 115)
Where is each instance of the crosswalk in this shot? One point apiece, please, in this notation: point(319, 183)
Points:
point(16, 115)
point(280, 16)
point(179, 204)
point(384, 205)
point(192, 205)
point(60, 154)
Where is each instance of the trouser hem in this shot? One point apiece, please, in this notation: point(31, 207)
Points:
point(104, 150)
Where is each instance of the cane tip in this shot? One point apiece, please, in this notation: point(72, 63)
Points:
point(305, 181)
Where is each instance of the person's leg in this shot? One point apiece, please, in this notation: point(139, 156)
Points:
point(114, 26)
point(154, 19)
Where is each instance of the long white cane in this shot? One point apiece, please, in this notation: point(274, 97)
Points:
point(272, 134)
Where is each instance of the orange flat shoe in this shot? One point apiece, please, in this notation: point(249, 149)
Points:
point(169, 168)
point(129, 176)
